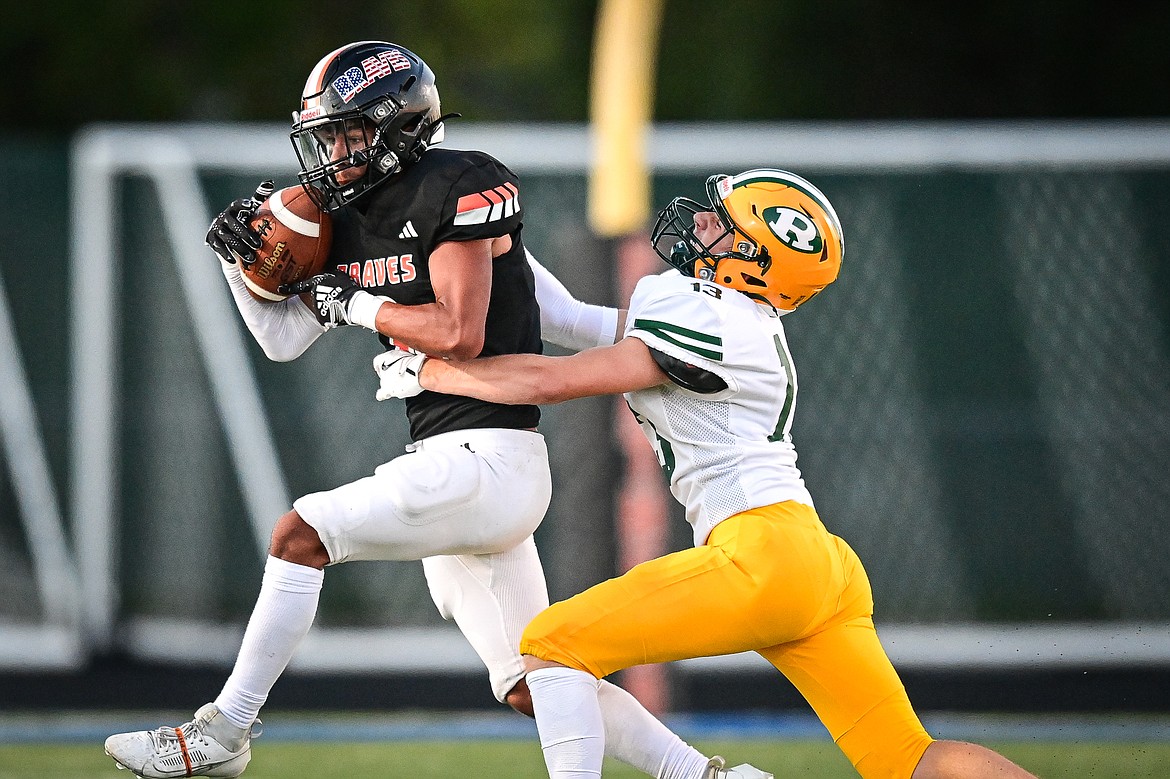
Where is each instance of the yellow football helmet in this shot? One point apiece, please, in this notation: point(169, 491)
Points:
point(786, 242)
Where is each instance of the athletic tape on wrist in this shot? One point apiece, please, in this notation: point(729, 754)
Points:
point(363, 309)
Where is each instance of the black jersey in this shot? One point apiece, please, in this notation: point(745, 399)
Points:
point(385, 240)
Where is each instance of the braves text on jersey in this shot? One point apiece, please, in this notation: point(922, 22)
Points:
point(384, 242)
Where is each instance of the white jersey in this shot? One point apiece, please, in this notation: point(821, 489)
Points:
point(728, 451)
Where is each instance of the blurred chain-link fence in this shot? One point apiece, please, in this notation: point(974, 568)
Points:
point(984, 409)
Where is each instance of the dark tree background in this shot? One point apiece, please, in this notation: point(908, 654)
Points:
point(73, 62)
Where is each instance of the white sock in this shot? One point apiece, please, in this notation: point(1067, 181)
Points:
point(637, 738)
point(568, 719)
point(683, 761)
point(283, 615)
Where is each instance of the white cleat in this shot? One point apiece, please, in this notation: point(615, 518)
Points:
point(717, 769)
point(208, 745)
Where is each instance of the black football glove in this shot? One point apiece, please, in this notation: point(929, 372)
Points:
point(332, 294)
point(230, 236)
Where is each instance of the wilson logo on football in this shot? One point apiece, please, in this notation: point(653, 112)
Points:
point(264, 269)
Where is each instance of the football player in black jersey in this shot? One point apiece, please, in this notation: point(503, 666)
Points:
point(427, 252)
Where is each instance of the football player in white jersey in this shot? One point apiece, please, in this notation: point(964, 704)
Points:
point(427, 251)
point(706, 370)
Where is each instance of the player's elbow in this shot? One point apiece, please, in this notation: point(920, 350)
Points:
point(283, 351)
point(467, 351)
point(461, 345)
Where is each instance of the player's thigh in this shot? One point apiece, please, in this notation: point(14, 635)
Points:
point(844, 673)
point(711, 600)
point(492, 598)
point(439, 500)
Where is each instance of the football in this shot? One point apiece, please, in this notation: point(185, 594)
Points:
point(296, 234)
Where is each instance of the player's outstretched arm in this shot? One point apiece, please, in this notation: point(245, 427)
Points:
point(530, 378)
point(569, 322)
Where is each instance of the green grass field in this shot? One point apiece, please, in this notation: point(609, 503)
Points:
point(522, 759)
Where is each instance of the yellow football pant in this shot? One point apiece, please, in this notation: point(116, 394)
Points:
point(772, 580)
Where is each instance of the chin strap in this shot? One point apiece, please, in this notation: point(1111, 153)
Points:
point(436, 128)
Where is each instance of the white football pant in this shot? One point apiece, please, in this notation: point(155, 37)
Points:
point(465, 503)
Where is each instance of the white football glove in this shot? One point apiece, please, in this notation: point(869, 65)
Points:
point(398, 374)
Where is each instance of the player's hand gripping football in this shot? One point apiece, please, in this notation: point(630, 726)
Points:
point(332, 294)
point(398, 372)
point(231, 236)
point(338, 300)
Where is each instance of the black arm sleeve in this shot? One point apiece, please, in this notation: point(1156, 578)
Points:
point(687, 376)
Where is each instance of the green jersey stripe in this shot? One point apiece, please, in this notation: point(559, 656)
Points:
point(789, 392)
point(664, 330)
point(654, 324)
